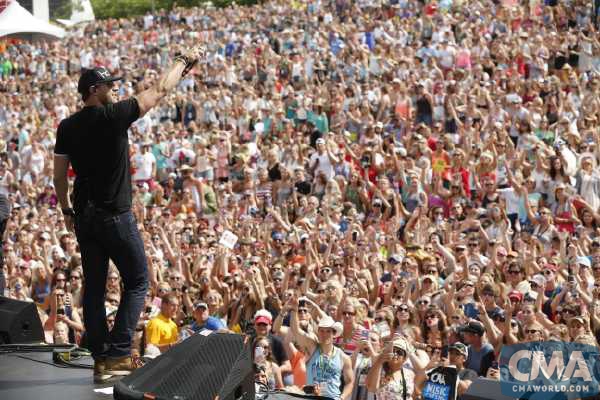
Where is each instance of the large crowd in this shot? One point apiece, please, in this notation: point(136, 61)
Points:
point(417, 179)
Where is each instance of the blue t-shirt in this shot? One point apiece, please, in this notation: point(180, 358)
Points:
point(480, 361)
point(211, 324)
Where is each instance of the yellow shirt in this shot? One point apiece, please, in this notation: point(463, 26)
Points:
point(161, 330)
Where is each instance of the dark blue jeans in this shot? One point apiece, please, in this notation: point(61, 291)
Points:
point(2, 277)
point(103, 236)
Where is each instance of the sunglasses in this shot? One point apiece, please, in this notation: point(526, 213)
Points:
point(348, 314)
point(403, 308)
point(532, 331)
point(514, 272)
point(548, 272)
point(433, 349)
point(431, 317)
point(379, 319)
point(399, 352)
point(302, 310)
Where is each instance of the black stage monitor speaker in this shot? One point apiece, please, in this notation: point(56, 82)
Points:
point(277, 395)
point(19, 322)
point(485, 389)
point(199, 368)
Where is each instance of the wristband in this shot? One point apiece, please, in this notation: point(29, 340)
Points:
point(68, 211)
point(182, 58)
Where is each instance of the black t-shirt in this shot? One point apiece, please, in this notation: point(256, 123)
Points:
point(279, 353)
point(303, 187)
point(274, 173)
point(95, 139)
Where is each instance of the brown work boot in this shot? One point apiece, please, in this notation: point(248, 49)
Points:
point(100, 375)
point(121, 365)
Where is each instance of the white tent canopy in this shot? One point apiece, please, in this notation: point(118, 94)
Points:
point(82, 12)
point(17, 22)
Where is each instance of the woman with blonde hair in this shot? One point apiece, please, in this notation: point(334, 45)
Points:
point(544, 229)
point(499, 222)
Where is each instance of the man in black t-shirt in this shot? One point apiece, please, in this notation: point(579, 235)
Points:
point(95, 142)
point(4, 214)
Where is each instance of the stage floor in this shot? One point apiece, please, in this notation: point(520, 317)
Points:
point(23, 379)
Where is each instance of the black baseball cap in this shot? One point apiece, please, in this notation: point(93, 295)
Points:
point(474, 327)
point(94, 76)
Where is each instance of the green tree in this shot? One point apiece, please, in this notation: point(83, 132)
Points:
point(129, 8)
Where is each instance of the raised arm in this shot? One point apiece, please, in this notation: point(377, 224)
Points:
point(303, 339)
point(169, 79)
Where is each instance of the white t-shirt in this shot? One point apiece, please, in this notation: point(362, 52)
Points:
point(323, 166)
point(512, 200)
point(144, 164)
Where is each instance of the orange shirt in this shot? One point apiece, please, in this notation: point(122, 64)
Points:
point(298, 363)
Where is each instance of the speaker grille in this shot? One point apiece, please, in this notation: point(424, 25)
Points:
point(196, 369)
